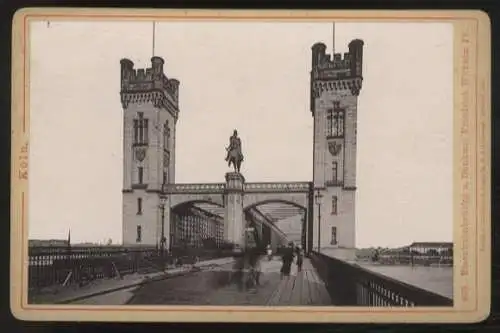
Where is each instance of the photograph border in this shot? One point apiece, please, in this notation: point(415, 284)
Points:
point(471, 174)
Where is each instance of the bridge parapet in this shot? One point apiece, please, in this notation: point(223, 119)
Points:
point(277, 187)
point(352, 285)
point(216, 188)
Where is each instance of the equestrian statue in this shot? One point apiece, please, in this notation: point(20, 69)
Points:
point(234, 153)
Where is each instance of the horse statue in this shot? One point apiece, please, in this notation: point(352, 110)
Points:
point(234, 154)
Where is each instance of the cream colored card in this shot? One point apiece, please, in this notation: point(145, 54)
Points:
point(144, 141)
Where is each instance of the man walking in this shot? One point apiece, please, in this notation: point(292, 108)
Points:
point(288, 255)
point(300, 257)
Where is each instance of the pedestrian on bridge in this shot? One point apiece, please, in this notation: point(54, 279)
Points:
point(300, 257)
point(255, 266)
point(269, 252)
point(287, 258)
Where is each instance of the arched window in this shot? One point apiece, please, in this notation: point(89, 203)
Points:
point(166, 163)
point(141, 128)
point(338, 123)
point(335, 122)
point(139, 206)
point(333, 240)
point(334, 205)
point(140, 174)
point(334, 172)
point(329, 123)
point(139, 234)
point(166, 136)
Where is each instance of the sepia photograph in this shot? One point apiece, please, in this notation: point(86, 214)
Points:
point(241, 164)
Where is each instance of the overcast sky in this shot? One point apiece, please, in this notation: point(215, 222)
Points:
point(253, 77)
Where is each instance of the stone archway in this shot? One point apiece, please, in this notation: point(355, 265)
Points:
point(289, 212)
point(193, 226)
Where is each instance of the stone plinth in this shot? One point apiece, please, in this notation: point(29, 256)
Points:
point(235, 181)
point(234, 220)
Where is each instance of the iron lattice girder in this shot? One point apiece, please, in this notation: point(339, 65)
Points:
point(265, 220)
point(279, 211)
point(273, 211)
point(211, 209)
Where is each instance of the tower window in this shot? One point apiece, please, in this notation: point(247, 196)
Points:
point(333, 240)
point(146, 131)
point(166, 136)
point(139, 206)
point(335, 123)
point(140, 171)
point(338, 123)
point(138, 238)
point(141, 129)
point(136, 131)
point(334, 205)
point(329, 122)
point(166, 162)
point(334, 172)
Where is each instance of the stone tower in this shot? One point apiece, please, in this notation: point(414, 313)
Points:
point(150, 103)
point(335, 87)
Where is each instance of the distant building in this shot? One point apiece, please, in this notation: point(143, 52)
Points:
point(419, 253)
point(431, 247)
point(47, 242)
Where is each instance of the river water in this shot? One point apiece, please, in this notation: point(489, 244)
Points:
point(436, 279)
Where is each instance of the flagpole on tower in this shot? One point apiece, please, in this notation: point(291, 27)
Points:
point(154, 30)
point(333, 38)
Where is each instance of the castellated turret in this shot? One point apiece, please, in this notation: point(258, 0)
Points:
point(343, 73)
point(150, 103)
point(149, 85)
point(335, 86)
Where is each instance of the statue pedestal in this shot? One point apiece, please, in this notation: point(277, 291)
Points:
point(234, 221)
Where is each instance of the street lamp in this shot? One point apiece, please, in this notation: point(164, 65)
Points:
point(318, 198)
point(163, 199)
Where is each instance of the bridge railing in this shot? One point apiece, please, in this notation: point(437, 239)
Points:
point(351, 285)
point(249, 187)
point(194, 188)
point(62, 265)
point(280, 186)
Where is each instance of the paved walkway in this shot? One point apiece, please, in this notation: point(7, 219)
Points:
point(114, 291)
point(212, 287)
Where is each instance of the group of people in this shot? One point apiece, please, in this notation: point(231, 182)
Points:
point(287, 257)
point(247, 268)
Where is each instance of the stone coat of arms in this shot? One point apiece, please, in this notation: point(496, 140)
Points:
point(334, 147)
point(140, 154)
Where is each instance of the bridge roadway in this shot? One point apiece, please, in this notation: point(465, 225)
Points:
point(211, 286)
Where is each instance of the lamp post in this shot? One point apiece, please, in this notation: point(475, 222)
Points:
point(162, 240)
point(318, 198)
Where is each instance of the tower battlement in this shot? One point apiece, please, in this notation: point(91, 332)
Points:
point(336, 81)
point(348, 65)
point(342, 73)
point(137, 82)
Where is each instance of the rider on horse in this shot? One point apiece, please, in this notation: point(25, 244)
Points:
point(234, 153)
